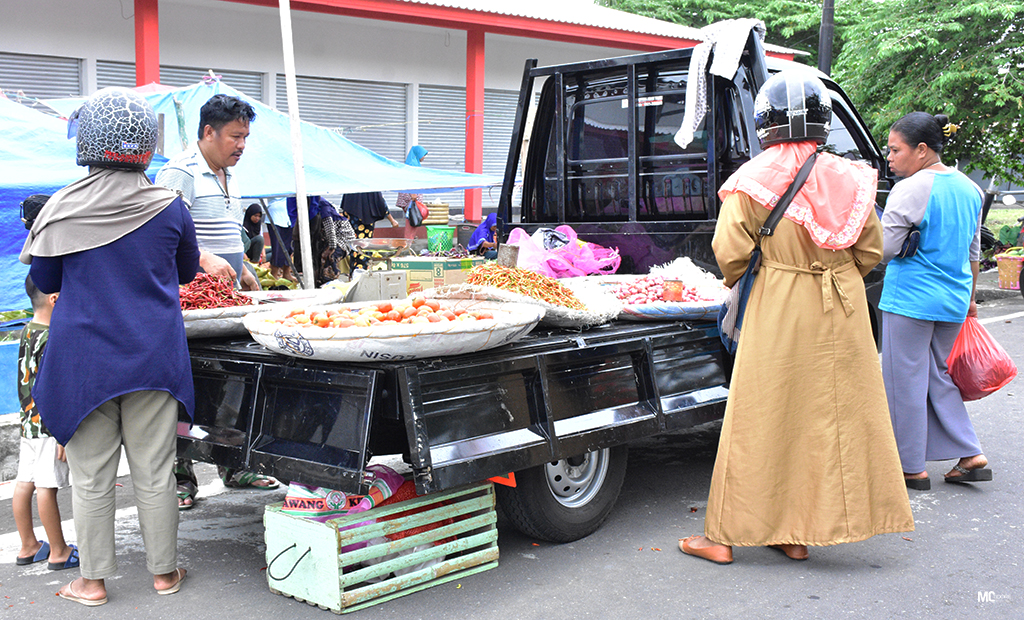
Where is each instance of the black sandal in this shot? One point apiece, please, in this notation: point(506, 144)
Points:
point(978, 474)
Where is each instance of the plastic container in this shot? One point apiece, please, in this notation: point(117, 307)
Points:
point(1009, 270)
point(440, 238)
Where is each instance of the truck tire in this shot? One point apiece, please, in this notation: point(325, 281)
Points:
point(565, 500)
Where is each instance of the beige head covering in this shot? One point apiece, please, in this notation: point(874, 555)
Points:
point(96, 210)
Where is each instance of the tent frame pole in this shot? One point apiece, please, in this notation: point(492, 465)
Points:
point(308, 277)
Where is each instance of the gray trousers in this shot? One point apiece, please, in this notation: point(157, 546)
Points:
point(927, 411)
point(145, 423)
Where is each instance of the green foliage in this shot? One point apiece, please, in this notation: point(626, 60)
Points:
point(962, 59)
point(790, 23)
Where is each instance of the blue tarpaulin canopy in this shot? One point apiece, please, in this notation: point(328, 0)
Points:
point(36, 157)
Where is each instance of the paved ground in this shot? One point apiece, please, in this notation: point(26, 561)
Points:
point(963, 560)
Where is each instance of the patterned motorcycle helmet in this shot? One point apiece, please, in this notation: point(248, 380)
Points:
point(793, 105)
point(115, 128)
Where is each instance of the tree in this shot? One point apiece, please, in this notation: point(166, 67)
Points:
point(790, 23)
point(963, 59)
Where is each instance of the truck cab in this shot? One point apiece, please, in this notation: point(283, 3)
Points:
point(600, 155)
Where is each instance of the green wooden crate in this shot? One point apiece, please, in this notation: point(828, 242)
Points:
point(305, 559)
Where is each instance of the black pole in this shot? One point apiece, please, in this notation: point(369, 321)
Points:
point(825, 37)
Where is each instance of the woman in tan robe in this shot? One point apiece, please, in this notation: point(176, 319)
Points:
point(807, 454)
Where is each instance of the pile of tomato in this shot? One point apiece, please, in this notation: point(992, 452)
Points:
point(415, 310)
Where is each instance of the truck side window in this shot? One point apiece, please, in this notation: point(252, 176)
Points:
point(672, 179)
point(597, 148)
point(840, 139)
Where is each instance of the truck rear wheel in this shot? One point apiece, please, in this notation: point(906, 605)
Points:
point(565, 500)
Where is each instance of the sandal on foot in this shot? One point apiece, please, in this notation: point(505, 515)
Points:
point(42, 554)
point(186, 491)
point(71, 562)
point(978, 474)
point(88, 602)
point(719, 554)
point(177, 584)
point(918, 484)
point(793, 552)
point(247, 479)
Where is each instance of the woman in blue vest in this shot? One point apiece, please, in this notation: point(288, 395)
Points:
point(926, 296)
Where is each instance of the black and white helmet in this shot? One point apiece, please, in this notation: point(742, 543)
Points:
point(793, 105)
point(116, 128)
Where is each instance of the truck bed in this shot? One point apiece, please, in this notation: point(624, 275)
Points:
point(554, 394)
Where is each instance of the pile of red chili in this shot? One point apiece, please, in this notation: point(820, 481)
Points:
point(524, 282)
point(208, 291)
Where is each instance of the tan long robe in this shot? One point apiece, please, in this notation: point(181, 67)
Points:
point(807, 454)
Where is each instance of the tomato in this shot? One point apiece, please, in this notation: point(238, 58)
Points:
point(301, 319)
point(384, 306)
point(322, 320)
point(435, 318)
point(459, 311)
point(419, 319)
point(393, 315)
point(433, 304)
point(447, 314)
point(408, 312)
point(296, 312)
point(346, 323)
point(483, 314)
point(418, 301)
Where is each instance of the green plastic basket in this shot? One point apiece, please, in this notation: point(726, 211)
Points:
point(439, 238)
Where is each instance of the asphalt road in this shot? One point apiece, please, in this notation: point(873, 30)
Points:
point(963, 560)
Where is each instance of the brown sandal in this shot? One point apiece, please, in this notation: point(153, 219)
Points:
point(793, 552)
point(719, 554)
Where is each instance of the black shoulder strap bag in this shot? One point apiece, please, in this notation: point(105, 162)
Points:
point(730, 316)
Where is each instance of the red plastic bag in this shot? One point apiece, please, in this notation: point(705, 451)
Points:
point(977, 364)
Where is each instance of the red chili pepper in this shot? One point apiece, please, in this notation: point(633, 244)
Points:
point(207, 291)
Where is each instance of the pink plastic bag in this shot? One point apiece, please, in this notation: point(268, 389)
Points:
point(977, 364)
point(575, 258)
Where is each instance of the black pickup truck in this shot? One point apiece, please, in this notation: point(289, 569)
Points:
point(558, 407)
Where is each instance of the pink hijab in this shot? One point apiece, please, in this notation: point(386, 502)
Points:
point(834, 203)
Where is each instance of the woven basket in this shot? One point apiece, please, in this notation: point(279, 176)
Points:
point(1009, 270)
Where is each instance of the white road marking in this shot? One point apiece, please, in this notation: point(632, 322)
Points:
point(1005, 317)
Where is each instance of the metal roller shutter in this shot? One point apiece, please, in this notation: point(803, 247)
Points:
point(115, 73)
point(248, 82)
point(41, 77)
point(499, 118)
point(442, 120)
point(371, 114)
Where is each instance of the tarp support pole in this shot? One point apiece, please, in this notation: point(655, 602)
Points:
point(308, 277)
point(147, 42)
point(474, 119)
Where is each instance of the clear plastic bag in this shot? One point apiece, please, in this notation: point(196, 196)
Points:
point(977, 364)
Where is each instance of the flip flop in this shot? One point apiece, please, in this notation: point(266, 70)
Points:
point(177, 584)
point(246, 479)
point(186, 490)
point(918, 484)
point(88, 602)
point(42, 554)
point(71, 562)
point(978, 474)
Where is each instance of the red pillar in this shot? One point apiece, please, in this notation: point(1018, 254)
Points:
point(474, 119)
point(147, 42)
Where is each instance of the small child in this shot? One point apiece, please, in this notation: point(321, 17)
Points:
point(42, 466)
